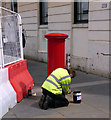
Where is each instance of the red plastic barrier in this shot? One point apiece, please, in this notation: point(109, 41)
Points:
point(20, 78)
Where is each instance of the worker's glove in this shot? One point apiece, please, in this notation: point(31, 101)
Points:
point(70, 91)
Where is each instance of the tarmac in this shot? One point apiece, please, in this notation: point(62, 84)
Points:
point(95, 97)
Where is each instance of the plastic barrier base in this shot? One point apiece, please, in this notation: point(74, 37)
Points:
point(7, 93)
point(20, 78)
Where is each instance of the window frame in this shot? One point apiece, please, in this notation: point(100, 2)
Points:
point(76, 21)
point(14, 6)
point(41, 14)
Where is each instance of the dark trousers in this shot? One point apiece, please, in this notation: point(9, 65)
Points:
point(56, 100)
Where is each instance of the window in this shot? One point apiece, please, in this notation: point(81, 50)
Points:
point(81, 12)
point(43, 13)
point(14, 6)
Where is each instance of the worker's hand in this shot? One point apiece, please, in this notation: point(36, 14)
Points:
point(70, 91)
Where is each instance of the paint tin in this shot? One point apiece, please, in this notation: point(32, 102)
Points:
point(77, 97)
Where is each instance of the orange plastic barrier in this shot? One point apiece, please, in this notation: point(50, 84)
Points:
point(20, 78)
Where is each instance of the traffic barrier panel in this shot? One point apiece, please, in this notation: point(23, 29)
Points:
point(7, 93)
point(20, 78)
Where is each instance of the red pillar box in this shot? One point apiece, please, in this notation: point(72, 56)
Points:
point(56, 51)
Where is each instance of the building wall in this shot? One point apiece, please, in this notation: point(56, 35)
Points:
point(42, 41)
point(98, 40)
point(110, 40)
point(28, 12)
point(6, 5)
point(88, 44)
point(79, 44)
point(59, 20)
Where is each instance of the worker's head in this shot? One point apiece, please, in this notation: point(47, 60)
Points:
point(71, 72)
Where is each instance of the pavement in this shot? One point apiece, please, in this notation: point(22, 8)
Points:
point(95, 97)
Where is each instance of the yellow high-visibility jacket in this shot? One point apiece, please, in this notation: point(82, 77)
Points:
point(59, 80)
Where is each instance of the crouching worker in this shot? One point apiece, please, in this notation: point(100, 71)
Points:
point(55, 87)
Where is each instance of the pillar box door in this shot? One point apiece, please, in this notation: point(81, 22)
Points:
point(56, 51)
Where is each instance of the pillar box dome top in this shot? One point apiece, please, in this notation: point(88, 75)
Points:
point(56, 35)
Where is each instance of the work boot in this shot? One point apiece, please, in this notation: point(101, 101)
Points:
point(49, 103)
point(46, 103)
point(42, 100)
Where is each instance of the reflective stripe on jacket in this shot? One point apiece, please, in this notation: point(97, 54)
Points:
point(58, 81)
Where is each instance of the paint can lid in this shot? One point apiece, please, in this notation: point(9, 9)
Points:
point(77, 91)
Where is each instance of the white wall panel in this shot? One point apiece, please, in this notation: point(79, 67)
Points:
point(99, 15)
point(60, 10)
point(31, 33)
point(97, 5)
point(57, 4)
point(99, 35)
point(42, 47)
point(98, 57)
point(29, 20)
point(60, 18)
point(28, 7)
point(80, 42)
point(99, 25)
point(60, 26)
point(31, 43)
point(28, 13)
point(30, 26)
